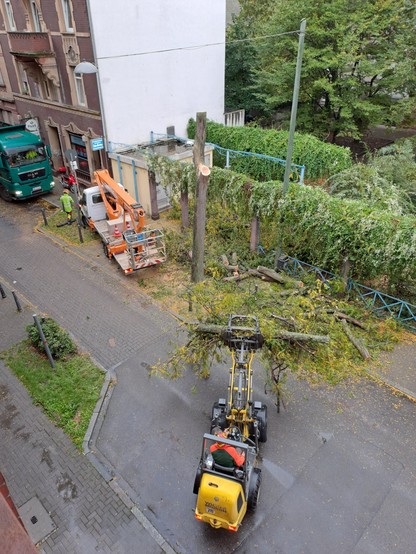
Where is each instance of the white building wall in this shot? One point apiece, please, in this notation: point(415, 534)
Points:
point(159, 63)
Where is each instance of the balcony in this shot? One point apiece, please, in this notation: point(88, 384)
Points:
point(30, 45)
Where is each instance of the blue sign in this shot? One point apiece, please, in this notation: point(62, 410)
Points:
point(97, 143)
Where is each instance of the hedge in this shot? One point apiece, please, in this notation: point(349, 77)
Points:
point(320, 159)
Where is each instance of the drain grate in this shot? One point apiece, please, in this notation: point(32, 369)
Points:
point(36, 520)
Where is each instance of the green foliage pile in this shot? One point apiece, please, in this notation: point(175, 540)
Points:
point(59, 342)
point(321, 159)
point(308, 310)
point(67, 394)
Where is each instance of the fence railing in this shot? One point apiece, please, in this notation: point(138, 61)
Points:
point(380, 303)
point(298, 171)
point(235, 118)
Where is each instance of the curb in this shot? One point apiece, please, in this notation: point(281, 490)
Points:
point(100, 463)
point(392, 385)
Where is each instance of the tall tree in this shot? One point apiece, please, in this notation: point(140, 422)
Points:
point(240, 62)
point(358, 67)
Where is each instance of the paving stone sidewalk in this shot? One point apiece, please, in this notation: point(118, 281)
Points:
point(39, 461)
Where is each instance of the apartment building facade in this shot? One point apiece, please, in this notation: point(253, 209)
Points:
point(158, 63)
point(41, 42)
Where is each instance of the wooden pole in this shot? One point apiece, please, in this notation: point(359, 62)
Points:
point(153, 196)
point(202, 174)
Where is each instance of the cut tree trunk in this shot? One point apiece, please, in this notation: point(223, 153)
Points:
point(255, 273)
point(197, 270)
point(255, 234)
point(202, 173)
point(239, 277)
point(355, 322)
point(279, 277)
point(184, 204)
point(365, 354)
point(154, 208)
point(284, 335)
point(301, 337)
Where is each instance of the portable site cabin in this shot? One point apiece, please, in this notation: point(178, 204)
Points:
point(130, 168)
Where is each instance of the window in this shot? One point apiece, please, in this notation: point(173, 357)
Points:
point(36, 90)
point(79, 87)
point(79, 146)
point(35, 15)
point(25, 155)
point(10, 17)
point(2, 83)
point(66, 8)
point(24, 81)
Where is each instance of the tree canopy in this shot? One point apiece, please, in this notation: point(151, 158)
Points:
point(358, 65)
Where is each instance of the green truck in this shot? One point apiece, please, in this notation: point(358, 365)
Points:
point(25, 166)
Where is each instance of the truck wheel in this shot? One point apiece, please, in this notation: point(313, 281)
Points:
point(84, 221)
point(106, 252)
point(261, 416)
point(5, 194)
point(198, 478)
point(218, 418)
point(254, 489)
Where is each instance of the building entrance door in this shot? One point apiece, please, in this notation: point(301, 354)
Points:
point(56, 149)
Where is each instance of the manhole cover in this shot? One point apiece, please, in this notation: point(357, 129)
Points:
point(36, 520)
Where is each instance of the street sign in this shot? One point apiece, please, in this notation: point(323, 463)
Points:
point(71, 155)
point(73, 165)
point(97, 143)
point(32, 125)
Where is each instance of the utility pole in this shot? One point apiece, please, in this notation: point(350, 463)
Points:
point(292, 128)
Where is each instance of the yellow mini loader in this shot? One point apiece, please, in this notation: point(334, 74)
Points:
point(225, 493)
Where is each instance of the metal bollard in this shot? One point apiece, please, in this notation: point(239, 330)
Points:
point(3, 294)
point(45, 221)
point(81, 238)
point(19, 307)
point(44, 341)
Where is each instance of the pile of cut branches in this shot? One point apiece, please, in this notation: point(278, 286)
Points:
point(315, 333)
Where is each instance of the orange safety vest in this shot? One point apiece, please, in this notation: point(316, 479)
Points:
point(238, 458)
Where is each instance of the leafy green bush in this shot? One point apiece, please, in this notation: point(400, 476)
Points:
point(396, 163)
point(59, 342)
point(320, 159)
point(324, 230)
point(366, 183)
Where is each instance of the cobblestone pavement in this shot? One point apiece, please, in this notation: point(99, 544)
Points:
point(91, 513)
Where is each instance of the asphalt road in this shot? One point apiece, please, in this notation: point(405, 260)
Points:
point(339, 465)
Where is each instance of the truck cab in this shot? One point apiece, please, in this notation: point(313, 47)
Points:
point(92, 204)
point(25, 167)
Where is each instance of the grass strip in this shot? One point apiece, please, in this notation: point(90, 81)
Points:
point(67, 394)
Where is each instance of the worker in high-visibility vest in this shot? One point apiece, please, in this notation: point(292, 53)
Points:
point(67, 204)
